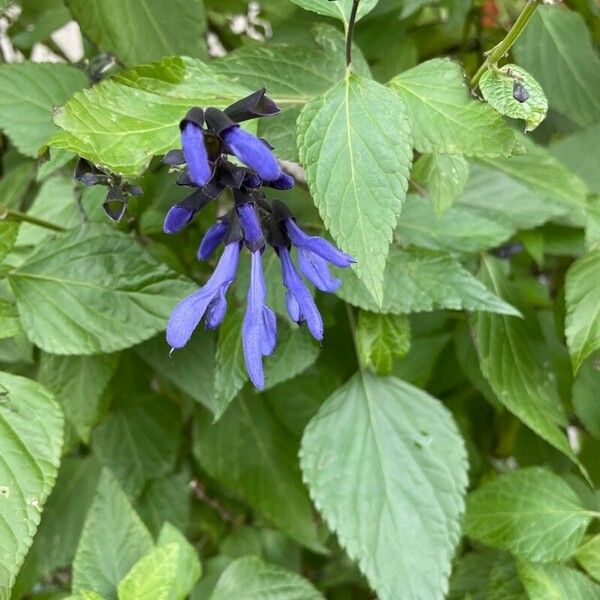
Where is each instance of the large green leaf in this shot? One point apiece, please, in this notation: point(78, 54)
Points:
point(387, 469)
point(582, 326)
point(252, 579)
point(142, 31)
point(354, 143)
point(139, 441)
point(29, 93)
point(31, 436)
point(513, 360)
point(252, 454)
point(93, 290)
point(113, 540)
point(531, 512)
point(556, 49)
point(123, 122)
point(558, 582)
point(339, 9)
point(444, 116)
point(422, 281)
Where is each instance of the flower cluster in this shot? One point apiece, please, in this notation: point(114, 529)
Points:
point(209, 139)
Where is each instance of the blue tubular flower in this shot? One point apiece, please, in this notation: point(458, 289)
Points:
point(283, 182)
point(196, 155)
point(209, 298)
point(316, 270)
point(177, 218)
point(259, 330)
point(300, 304)
point(253, 235)
point(211, 240)
point(252, 151)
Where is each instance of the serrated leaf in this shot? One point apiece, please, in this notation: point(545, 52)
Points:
point(139, 441)
point(444, 176)
point(93, 290)
point(253, 579)
point(78, 383)
point(121, 123)
point(401, 525)
point(588, 556)
point(445, 118)
point(31, 437)
point(339, 9)
point(30, 92)
point(513, 92)
point(582, 325)
point(252, 454)
point(530, 512)
point(557, 582)
point(514, 360)
point(381, 338)
point(422, 281)
point(142, 32)
point(354, 143)
point(113, 540)
point(557, 50)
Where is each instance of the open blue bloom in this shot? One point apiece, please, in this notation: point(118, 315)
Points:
point(212, 239)
point(195, 153)
point(252, 151)
point(259, 330)
point(314, 253)
point(300, 303)
point(209, 300)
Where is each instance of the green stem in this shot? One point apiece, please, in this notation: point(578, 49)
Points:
point(7, 214)
point(352, 323)
point(497, 52)
point(350, 32)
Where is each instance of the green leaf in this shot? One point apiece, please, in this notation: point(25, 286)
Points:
point(252, 454)
point(421, 281)
point(30, 92)
point(354, 143)
point(31, 437)
point(191, 369)
point(387, 469)
point(585, 397)
point(140, 32)
point(8, 236)
point(121, 123)
point(557, 50)
point(15, 182)
point(582, 325)
point(79, 383)
point(113, 540)
point(444, 176)
point(531, 512)
point(339, 9)
point(381, 338)
point(253, 579)
point(557, 582)
point(498, 87)
point(93, 290)
point(9, 319)
point(588, 556)
point(513, 359)
point(139, 441)
point(445, 118)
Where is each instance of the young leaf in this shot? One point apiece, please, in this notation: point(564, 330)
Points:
point(113, 540)
point(93, 290)
point(582, 326)
point(401, 524)
point(31, 437)
point(30, 92)
point(557, 582)
point(253, 579)
point(445, 118)
point(355, 146)
point(421, 281)
point(531, 512)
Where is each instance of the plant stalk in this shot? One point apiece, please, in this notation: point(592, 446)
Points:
point(7, 214)
point(350, 32)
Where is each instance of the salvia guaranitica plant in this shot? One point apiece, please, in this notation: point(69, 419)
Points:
point(299, 299)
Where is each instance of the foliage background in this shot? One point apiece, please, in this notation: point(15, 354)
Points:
point(444, 440)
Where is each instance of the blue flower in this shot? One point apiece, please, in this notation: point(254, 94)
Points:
point(212, 239)
point(253, 235)
point(252, 151)
point(259, 330)
point(195, 153)
point(209, 300)
point(300, 303)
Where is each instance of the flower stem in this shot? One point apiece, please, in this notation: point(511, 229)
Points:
point(7, 214)
point(350, 32)
point(497, 52)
